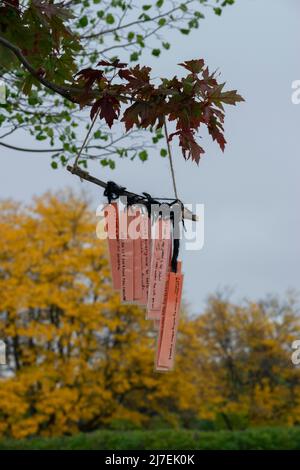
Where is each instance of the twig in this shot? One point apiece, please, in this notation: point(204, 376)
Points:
point(170, 159)
point(82, 174)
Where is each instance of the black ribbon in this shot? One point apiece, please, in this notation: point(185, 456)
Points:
point(113, 191)
point(176, 221)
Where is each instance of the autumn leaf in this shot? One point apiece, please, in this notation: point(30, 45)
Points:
point(115, 63)
point(90, 76)
point(190, 148)
point(194, 66)
point(192, 101)
point(109, 108)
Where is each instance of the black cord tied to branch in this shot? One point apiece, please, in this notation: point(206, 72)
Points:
point(113, 191)
point(176, 221)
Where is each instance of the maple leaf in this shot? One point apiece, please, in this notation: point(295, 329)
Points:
point(231, 97)
point(115, 63)
point(109, 109)
point(90, 76)
point(194, 66)
point(138, 79)
point(142, 114)
point(125, 74)
point(190, 148)
point(51, 10)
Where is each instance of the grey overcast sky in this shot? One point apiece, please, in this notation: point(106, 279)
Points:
point(251, 193)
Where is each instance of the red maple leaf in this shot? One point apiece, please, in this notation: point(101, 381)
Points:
point(115, 63)
point(109, 109)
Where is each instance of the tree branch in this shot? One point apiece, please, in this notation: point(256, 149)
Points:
point(63, 91)
point(133, 23)
point(75, 170)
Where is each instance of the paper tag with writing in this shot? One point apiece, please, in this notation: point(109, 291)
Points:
point(146, 256)
point(137, 253)
point(166, 344)
point(162, 246)
point(112, 229)
point(127, 256)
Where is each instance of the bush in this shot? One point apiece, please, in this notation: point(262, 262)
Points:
point(250, 439)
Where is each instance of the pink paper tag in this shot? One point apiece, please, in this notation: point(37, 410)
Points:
point(127, 257)
point(137, 253)
point(146, 256)
point(112, 229)
point(166, 343)
point(162, 245)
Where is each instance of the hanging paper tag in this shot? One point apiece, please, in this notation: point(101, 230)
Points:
point(159, 267)
point(112, 228)
point(127, 256)
point(169, 321)
point(137, 253)
point(146, 256)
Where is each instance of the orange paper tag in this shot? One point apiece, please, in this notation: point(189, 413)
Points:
point(112, 229)
point(127, 256)
point(159, 268)
point(137, 253)
point(146, 256)
point(166, 343)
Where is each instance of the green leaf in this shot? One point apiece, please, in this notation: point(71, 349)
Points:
point(218, 11)
point(159, 3)
point(156, 52)
point(147, 7)
point(163, 152)
point(143, 155)
point(54, 165)
point(97, 134)
point(162, 21)
point(41, 137)
point(166, 45)
point(110, 19)
point(83, 22)
point(134, 56)
point(33, 99)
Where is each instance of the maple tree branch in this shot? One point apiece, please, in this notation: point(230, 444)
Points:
point(133, 23)
point(82, 174)
point(23, 149)
point(132, 43)
point(61, 149)
point(65, 92)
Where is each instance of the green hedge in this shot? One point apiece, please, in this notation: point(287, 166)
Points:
point(251, 439)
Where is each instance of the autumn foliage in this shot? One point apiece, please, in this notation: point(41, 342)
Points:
point(192, 101)
point(79, 360)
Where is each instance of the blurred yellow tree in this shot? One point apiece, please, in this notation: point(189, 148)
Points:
point(78, 359)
